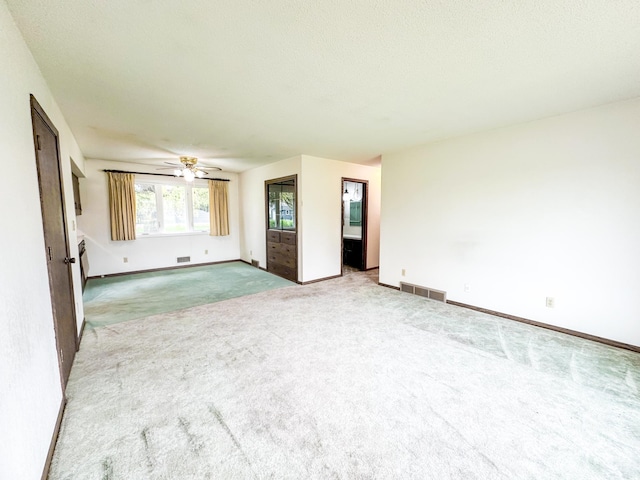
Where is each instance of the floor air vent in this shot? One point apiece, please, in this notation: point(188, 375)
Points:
point(184, 259)
point(438, 295)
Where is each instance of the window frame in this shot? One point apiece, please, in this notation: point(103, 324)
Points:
point(156, 181)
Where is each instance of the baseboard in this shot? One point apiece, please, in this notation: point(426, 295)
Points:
point(175, 267)
point(79, 337)
point(388, 286)
point(575, 333)
point(371, 268)
point(320, 280)
point(54, 439)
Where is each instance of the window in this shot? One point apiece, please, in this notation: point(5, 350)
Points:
point(168, 207)
point(282, 205)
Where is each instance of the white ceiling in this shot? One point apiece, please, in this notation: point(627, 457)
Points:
point(246, 82)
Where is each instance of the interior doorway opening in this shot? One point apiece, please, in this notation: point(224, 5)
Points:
point(354, 224)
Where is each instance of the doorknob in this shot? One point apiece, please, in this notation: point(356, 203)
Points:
point(69, 260)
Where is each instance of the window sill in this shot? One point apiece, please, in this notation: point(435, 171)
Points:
point(175, 234)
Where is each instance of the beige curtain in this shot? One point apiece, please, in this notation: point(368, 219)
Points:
point(122, 205)
point(219, 207)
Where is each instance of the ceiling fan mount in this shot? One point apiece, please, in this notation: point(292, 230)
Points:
point(188, 161)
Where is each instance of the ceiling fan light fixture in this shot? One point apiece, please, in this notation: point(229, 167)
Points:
point(188, 169)
point(188, 174)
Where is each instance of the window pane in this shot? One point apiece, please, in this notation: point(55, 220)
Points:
point(287, 208)
point(282, 205)
point(200, 208)
point(174, 208)
point(146, 210)
point(274, 206)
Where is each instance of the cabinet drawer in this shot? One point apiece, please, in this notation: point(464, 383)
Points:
point(273, 236)
point(284, 271)
point(281, 259)
point(275, 248)
point(288, 238)
point(283, 248)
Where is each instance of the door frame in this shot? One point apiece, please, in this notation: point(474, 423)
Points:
point(36, 109)
point(365, 222)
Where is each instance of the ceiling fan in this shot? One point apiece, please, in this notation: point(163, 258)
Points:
point(187, 168)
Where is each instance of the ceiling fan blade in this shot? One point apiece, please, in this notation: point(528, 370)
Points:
point(174, 164)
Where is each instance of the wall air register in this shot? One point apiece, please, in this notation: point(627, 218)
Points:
point(431, 293)
point(184, 259)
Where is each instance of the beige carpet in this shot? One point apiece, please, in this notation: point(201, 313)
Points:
point(346, 380)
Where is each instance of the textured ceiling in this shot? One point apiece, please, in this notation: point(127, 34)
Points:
point(246, 82)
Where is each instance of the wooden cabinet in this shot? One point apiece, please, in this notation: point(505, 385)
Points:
point(282, 255)
point(281, 213)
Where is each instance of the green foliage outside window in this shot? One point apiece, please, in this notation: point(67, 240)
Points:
point(200, 208)
point(146, 212)
point(162, 208)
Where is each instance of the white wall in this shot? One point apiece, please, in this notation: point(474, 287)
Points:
point(30, 389)
point(319, 207)
point(253, 243)
point(321, 195)
point(547, 208)
point(106, 256)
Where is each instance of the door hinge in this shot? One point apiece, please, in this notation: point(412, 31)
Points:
point(50, 255)
point(38, 142)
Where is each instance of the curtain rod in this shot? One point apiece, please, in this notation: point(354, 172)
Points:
point(162, 175)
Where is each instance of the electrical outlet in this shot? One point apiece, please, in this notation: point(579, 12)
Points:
point(404, 272)
point(125, 259)
point(551, 302)
point(206, 252)
point(250, 252)
point(467, 287)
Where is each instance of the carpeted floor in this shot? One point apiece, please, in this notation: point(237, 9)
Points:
point(344, 379)
point(118, 299)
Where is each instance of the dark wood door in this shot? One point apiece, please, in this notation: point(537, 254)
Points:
point(55, 238)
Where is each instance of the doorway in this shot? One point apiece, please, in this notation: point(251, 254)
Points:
point(354, 224)
point(59, 262)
